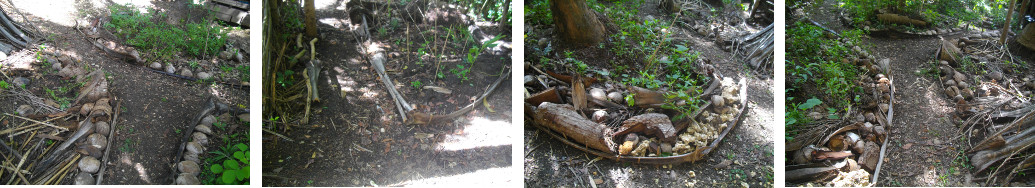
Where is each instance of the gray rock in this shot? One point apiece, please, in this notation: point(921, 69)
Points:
point(156, 66)
point(187, 179)
point(21, 81)
point(83, 178)
point(204, 75)
point(208, 120)
point(102, 127)
point(200, 138)
point(186, 73)
point(89, 164)
point(170, 68)
point(97, 140)
point(189, 167)
point(203, 129)
point(56, 66)
point(194, 147)
point(529, 79)
point(24, 110)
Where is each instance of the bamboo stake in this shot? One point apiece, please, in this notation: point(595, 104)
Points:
point(40, 122)
point(63, 171)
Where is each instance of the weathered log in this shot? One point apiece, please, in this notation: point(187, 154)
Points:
point(563, 118)
point(646, 97)
point(548, 95)
point(1018, 142)
point(578, 93)
point(901, 20)
point(809, 172)
point(651, 124)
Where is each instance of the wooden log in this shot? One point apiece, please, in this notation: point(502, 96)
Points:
point(1021, 141)
point(549, 95)
point(563, 119)
point(578, 93)
point(900, 19)
point(646, 97)
point(651, 124)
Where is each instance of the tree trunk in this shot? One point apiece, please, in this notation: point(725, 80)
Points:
point(576, 23)
point(310, 19)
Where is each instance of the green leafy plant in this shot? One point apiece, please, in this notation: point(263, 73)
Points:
point(416, 84)
point(286, 78)
point(234, 169)
point(161, 39)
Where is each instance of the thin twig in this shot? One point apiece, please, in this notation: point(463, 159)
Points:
point(278, 135)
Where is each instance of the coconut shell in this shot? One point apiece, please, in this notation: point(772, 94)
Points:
point(187, 179)
point(89, 164)
point(194, 147)
point(102, 127)
point(83, 178)
point(203, 128)
point(199, 137)
point(208, 120)
point(97, 140)
point(85, 110)
point(189, 167)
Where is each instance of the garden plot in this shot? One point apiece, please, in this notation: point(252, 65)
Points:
point(661, 98)
point(137, 130)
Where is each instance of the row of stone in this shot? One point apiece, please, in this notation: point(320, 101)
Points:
point(190, 167)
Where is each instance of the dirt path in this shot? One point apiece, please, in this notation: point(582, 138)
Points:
point(154, 106)
point(356, 138)
point(922, 145)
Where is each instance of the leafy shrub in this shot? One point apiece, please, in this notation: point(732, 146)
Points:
point(161, 39)
point(234, 169)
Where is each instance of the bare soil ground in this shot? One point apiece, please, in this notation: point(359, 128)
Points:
point(155, 107)
point(356, 137)
point(925, 145)
point(743, 158)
